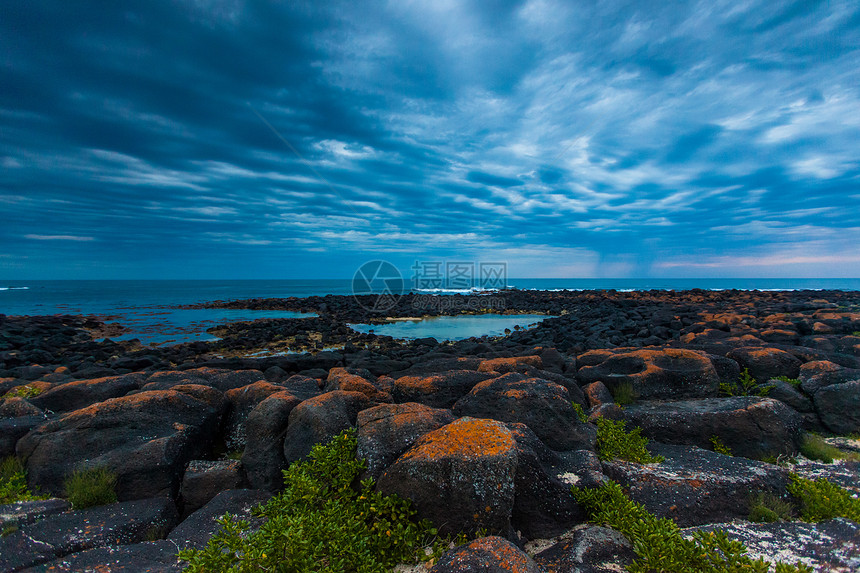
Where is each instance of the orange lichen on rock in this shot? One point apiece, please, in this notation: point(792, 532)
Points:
point(463, 438)
point(502, 365)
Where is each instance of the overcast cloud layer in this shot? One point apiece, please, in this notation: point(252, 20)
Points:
point(611, 139)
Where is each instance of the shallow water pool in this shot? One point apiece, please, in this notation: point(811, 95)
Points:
point(452, 327)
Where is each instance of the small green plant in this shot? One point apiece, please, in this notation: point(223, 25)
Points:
point(614, 442)
point(234, 455)
point(659, 544)
point(580, 413)
point(822, 499)
point(745, 386)
point(720, 447)
point(793, 381)
point(24, 391)
point(624, 394)
point(855, 333)
point(766, 507)
point(13, 482)
point(814, 447)
point(9, 529)
point(321, 522)
point(91, 487)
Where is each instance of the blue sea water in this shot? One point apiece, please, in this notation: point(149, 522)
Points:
point(143, 305)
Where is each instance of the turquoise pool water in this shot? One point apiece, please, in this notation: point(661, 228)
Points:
point(452, 327)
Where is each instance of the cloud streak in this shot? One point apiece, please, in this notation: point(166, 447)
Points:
point(299, 140)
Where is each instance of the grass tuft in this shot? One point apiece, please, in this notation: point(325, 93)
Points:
point(766, 507)
point(91, 487)
point(814, 447)
point(624, 394)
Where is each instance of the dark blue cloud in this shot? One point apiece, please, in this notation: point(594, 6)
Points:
point(245, 139)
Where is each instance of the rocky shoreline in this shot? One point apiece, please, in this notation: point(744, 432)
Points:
point(480, 434)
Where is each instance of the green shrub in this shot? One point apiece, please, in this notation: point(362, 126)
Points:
point(793, 381)
point(624, 394)
point(822, 499)
point(720, 447)
point(580, 413)
point(321, 522)
point(13, 482)
point(855, 333)
point(814, 447)
point(659, 544)
point(766, 507)
point(91, 487)
point(613, 442)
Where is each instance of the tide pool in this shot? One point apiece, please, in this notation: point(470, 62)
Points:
point(452, 327)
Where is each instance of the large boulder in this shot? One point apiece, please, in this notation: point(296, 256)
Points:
point(439, 390)
point(750, 426)
point(198, 528)
point(838, 407)
point(512, 364)
point(766, 363)
point(302, 387)
point(654, 373)
point(24, 512)
point(318, 420)
point(543, 406)
point(240, 402)
point(832, 545)
point(219, 379)
point(145, 438)
point(263, 458)
point(822, 373)
point(356, 380)
point(592, 549)
point(544, 505)
point(789, 395)
point(486, 555)
point(388, 430)
point(460, 476)
point(13, 429)
point(65, 533)
point(204, 479)
point(146, 557)
point(82, 393)
point(695, 486)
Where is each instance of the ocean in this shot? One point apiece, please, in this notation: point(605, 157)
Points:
point(143, 305)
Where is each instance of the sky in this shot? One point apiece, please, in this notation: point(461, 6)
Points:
point(231, 139)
